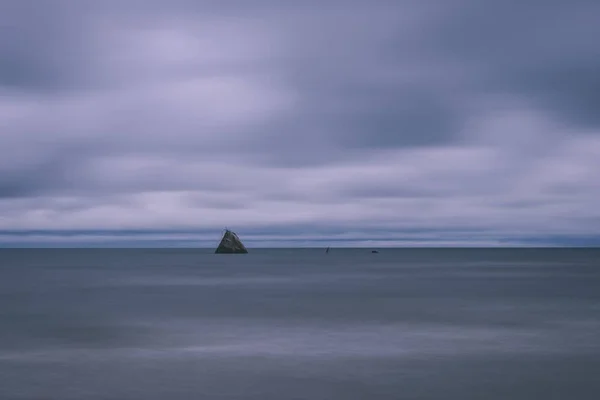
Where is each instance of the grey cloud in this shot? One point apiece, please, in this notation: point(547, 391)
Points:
point(408, 117)
point(545, 51)
point(361, 90)
point(42, 46)
point(572, 91)
point(266, 112)
point(329, 67)
point(37, 177)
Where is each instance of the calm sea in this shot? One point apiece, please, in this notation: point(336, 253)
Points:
point(300, 324)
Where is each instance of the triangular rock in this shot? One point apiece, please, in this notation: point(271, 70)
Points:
point(231, 244)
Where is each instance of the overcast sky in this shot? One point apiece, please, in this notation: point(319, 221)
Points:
point(402, 122)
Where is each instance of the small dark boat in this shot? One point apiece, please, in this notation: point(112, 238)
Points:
point(374, 251)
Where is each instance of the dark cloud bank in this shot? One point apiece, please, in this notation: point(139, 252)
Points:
point(454, 122)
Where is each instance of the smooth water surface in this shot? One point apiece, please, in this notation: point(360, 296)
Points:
point(300, 324)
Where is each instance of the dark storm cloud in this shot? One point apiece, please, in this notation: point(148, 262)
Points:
point(37, 177)
point(42, 45)
point(545, 51)
point(382, 115)
point(405, 87)
point(360, 86)
point(329, 61)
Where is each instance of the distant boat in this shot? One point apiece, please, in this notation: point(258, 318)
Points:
point(231, 244)
point(327, 250)
point(374, 251)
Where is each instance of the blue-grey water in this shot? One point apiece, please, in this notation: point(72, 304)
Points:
point(300, 324)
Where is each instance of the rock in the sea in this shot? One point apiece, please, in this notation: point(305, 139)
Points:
point(231, 244)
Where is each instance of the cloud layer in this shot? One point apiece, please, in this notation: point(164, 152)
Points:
point(446, 121)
